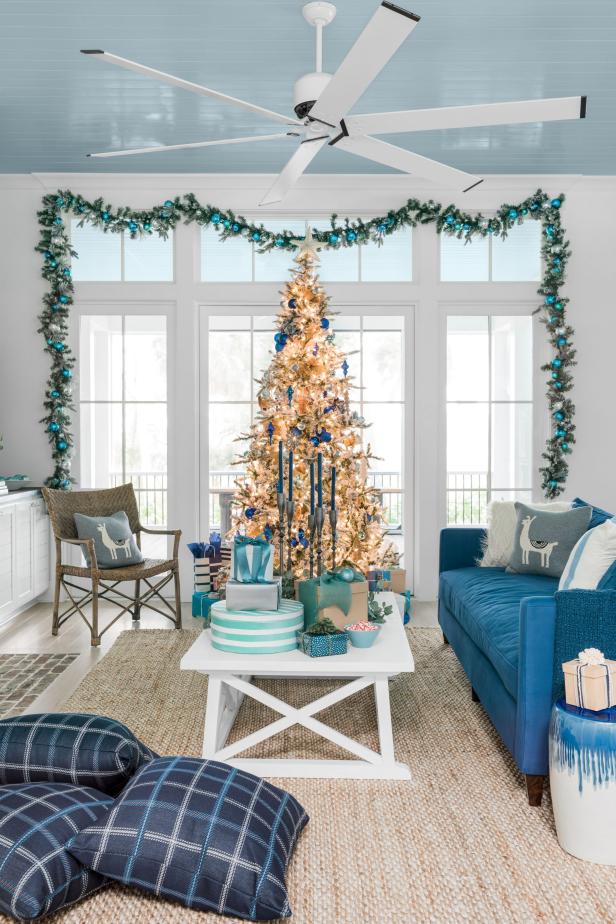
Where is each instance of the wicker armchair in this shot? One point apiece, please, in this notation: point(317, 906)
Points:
point(62, 506)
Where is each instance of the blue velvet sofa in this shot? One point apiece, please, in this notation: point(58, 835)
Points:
point(501, 627)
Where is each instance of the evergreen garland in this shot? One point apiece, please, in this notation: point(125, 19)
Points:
point(55, 248)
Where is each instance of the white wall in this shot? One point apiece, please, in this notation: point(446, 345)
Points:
point(588, 216)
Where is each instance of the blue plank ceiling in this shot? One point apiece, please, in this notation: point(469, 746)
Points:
point(56, 105)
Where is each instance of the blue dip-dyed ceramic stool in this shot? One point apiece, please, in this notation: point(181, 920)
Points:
point(583, 781)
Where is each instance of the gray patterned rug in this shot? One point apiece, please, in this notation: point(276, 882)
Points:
point(23, 677)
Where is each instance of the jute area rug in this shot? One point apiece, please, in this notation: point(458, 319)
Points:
point(457, 844)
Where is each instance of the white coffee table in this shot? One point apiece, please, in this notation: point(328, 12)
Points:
point(230, 677)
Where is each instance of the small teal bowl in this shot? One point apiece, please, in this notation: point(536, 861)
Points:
point(363, 639)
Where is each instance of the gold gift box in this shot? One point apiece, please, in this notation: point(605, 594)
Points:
point(359, 606)
point(594, 685)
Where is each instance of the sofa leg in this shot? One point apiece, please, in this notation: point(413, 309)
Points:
point(445, 639)
point(534, 788)
point(474, 696)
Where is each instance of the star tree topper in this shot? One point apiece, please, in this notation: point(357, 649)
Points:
point(306, 246)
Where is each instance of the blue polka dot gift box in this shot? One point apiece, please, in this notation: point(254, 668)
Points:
point(321, 646)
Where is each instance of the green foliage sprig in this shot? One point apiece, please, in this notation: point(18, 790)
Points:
point(378, 612)
point(54, 246)
point(323, 627)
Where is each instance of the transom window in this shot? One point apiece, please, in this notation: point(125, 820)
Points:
point(118, 258)
point(489, 413)
point(239, 261)
point(516, 258)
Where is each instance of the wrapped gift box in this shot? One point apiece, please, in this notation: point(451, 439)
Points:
point(590, 685)
point(398, 580)
point(387, 579)
point(201, 603)
point(308, 593)
point(320, 646)
point(266, 573)
point(242, 596)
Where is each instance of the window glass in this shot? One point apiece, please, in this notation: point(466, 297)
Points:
point(229, 384)
point(145, 358)
point(517, 258)
point(226, 423)
point(392, 261)
point(148, 259)
point(99, 254)
point(468, 358)
point(100, 358)
point(225, 261)
point(382, 365)
point(512, 439)
point(464, 262)
point(512, 358)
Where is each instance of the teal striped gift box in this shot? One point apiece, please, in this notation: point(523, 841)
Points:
point(256, 631)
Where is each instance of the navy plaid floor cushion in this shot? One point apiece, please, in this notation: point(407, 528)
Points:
point(72, 747)
point(199, 832)
point(37, 874)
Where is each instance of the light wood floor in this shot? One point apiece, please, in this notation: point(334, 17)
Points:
point(30, 633)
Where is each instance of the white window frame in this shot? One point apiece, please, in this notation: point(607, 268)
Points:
point(489, 281)
point(122, 281)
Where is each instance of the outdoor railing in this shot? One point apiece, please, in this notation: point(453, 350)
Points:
point(151, 493)
point(467, 498)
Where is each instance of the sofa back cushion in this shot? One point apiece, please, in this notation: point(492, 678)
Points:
point(598, 516)
point(73, 747)
point(591, 558)
point(544, 540)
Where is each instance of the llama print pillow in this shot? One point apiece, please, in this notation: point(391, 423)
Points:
point(544, 539)
point(114, 543)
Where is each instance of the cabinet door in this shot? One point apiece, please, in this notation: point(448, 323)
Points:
point(7, 575)
point(40, 547)
point(24, 587)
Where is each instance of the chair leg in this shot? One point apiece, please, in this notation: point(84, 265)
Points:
point(178, 605)
point(56, 604)
point(95, 637)
point(534, 788)
point(137, 606)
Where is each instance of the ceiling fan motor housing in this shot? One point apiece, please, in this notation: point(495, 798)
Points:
point(307, 91)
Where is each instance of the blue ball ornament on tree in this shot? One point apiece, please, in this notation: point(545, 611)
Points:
point(314, 440)
point(565, 447)
point(250, 512)
point(292, 303)
point(66, 483)
point(553, 483)
point(554, 375)
point(324, 323)
point(325, 436)
point(66, 271)
point(558, 306)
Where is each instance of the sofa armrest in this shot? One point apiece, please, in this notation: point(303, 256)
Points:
point(460, 547)
point(535, 666)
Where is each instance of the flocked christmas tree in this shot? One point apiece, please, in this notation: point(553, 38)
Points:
point(304, 403)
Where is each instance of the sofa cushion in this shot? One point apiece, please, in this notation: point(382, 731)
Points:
point(37, 874)
point(486, 603)
point(543, 540)
point(70, 747)
point(597, 517)
point(202, 833)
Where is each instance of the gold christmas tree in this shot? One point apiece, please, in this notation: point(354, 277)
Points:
point(304, 403)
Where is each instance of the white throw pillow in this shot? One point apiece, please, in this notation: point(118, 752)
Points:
point(502, 518)
point(590, 558)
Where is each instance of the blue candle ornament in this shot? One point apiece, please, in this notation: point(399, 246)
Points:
point(333, 503)
point(280, 476)
point(319, 479)
point(290, 475)
point(312, 487)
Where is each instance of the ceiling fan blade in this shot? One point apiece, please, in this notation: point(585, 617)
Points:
point(293, 169)
point(187, 85)
point(407, 161)
point(195, 144)
point(422, 120)
point(381, 38)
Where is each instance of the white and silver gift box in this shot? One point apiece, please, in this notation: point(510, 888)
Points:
point(242, 596)
point(205, 570)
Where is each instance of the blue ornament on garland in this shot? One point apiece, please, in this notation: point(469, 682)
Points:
point(296, 431)
point(324, 323)
point(513, 213)
point(524, 211)
point(66, 272)
point(351, 236)
point(66, 483)
point(53, 427)
point(60, 202)
point(235, 227)
point(557, 362)
point(270, 431)
point(558, 306)
point(64, 299)
point(561, 433)
point(146, 226)
point(449, 219)
point(168, 204)
point(458, 226)
point(105, 216)
point(250, 512)
point(279, 242)
point(555, 203)
point(58, 221)
point(227, 223)
point(553, 483)
point(256, 236)
point(67, 374)
point(132, 226)
point(333, 239)
point(534, 206)
point(549, 230)
point(59, 346)
point(466, 226)
point(565, 447)
point(53, 263)
point(55, 393)
point(550, 299)
point(559, 415)
point(558, 384)
point(61, 445)
point(380, 228)
point(215, 219)
point(302, 539)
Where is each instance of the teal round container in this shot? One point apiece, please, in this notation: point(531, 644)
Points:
point(363, 639)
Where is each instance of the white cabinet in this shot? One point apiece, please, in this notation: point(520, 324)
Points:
point(24, 552)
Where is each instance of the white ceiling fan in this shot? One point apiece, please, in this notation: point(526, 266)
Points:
point(322, 103)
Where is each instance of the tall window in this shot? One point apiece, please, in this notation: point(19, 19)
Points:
point(489, 413)
point(123, 410)
point(376, 347)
